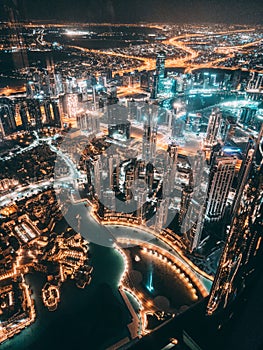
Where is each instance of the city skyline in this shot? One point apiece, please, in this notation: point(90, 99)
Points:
point(131, 188)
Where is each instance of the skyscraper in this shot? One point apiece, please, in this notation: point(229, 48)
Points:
point(192, 211)
point(221, 178)
point(149, 135)
point(243, 173)
point(97, 170)
point(192, 224)
point(161, 214)
point(155, 86)
point(159, 74)
point(170, 170)
point(89, 122)
point(71, 105)
point(186, 196)
point(160, 64)
point(213, 128)
point(140, 197)
point(245, 235)
point(247, 115)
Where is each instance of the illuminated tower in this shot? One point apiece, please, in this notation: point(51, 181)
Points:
point(185, 202)
point(247, 115)
point(140, 197)
point(149, 136)
point(169, 173)
point(193, 223)
point(170, 170)
point(228, 127)
point(160, 64)
point(243, 173)
point(59, 88)
point(97, 170)
point(89, 122)
point(155, 86)
point(199, 176)
point(131, 174)
point(159, 74)
point(113, 166)
point(192, 211)
point(221, 178)
point(71, 105)
point(149, 176)
point(238, 260)
point(213, 128)
point(161, 214)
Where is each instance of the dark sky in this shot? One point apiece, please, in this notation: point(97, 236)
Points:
point(182, 11)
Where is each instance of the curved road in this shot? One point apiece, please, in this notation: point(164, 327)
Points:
point(185, 62)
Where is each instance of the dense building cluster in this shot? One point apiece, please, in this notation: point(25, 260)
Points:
point(155, 135)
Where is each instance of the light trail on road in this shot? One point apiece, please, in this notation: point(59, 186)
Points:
point(191, 54)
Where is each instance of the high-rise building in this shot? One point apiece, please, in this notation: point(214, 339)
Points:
point(59, 88)
point(25, 116)
point(198, 165)
point(28, 113)
point(71, 105)
point(50, 112)
point(192, 224)
point(213, 128)
point(132, 109)
point(247, 115)
point(97, 170)
point(192, 210)
point(227, 129)
point(131, 174)
point(243, 173)
point(140, 197)
point(155, 86)
point(113, 166)
point(160, 64)
point(221, 178)
point(149, 135)
point(158, 83)
point(149, 176)
point(161, 214)
point(244, 238)
point(149, 142)
point(89, 122)
point(186, 196)
point(145, 80)
point(170, 170)
point(177, 122)
point(178, 127)
point(42, 82)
